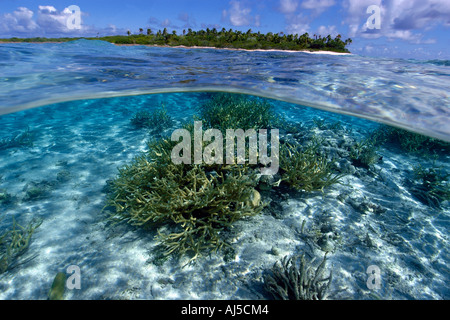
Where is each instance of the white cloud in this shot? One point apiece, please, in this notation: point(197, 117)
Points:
point(189, 21)
point(327, 30)
point(297, 24)
point(257, 20)
point(165, 23)
point(48, 21)
point(237, 15)
point(400, 19)
point(19, 21)
point(317, 5)
point(48, 9)
point(52, 21)
point(288, 6)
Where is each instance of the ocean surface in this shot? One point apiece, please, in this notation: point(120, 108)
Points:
point(65, 129)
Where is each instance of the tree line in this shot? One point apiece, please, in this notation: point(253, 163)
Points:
point(218, 38)
point(234, 39)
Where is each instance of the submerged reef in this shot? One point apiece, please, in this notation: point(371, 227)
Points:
point(289, 280)
point(190, 205)
point(198, 200)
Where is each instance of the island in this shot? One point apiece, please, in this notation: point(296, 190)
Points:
point(230, 39)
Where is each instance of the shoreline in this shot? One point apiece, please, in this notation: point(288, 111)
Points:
point(237, 49)
point(204, 47)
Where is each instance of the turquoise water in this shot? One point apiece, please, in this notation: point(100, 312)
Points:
point(59, 149)
point(408, 93)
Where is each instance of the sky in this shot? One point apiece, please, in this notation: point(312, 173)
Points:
point(418, 29)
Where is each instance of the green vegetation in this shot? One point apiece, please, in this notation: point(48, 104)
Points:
point(430, 186)
point(157, 121)
point(219, 39)
point(289, 281)
point(303, 169)
point(14, 242)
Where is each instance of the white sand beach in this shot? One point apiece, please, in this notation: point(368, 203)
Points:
point(238, 49)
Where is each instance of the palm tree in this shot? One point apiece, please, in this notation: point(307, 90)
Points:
point(141, 30)
point(129, 32)
point(149, 32)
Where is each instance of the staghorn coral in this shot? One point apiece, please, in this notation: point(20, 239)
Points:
point(14, 242)
point(304, 169)
point(430, 186)
point(234, 111)
point(363, 154)
point(198, 200)
point(289, 281)
point(157, 121)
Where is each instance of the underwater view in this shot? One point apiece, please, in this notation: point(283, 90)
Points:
point(133, 172)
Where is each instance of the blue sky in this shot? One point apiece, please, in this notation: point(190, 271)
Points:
point(407, 29)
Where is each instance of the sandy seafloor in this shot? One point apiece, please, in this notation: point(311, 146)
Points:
point(79, 146)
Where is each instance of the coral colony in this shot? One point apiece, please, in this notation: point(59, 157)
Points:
point(213, 153)
point(184, 188)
